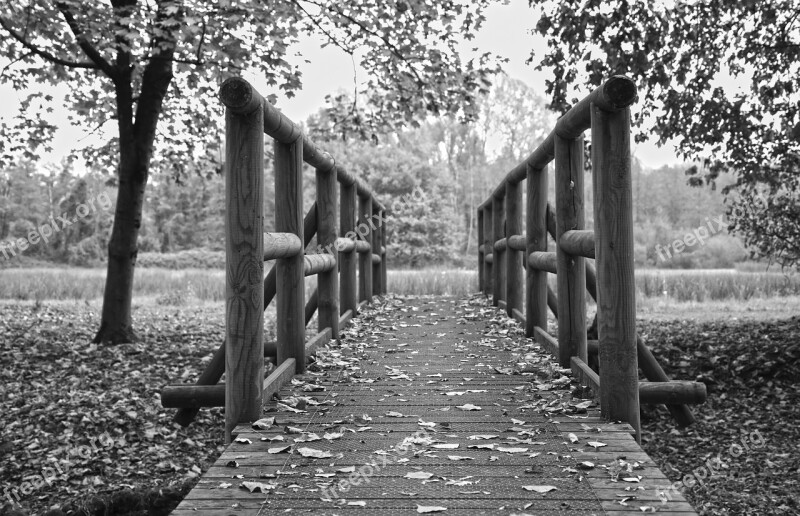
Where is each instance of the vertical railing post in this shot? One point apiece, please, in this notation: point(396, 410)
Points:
point(348, 289)
point(514, 282)
point(571, 275)
point(481, 253)
point(488, 238)
point(498, 232)
point(327, 282)
point(616, 303)
point(290, 277)
point(536, 239)
point(377, 230)
point(384, 255)
point(244, 255)
point(365, 258)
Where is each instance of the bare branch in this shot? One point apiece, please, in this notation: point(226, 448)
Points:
point(91, 52)
point(391, 46)
point(43, 53)
point(318, 25)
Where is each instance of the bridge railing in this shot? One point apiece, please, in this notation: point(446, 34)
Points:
point(341, 290)
point(508, 249)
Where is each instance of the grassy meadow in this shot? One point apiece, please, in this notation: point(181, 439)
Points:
point(178, 287)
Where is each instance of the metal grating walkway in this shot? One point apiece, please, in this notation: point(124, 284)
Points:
point(415, 412)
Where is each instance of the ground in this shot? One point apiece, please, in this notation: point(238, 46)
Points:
point(83, 425)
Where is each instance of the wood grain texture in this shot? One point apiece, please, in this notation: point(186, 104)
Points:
point(578, 242)
point(516, 242)
point(498, 232)
point(348, 288)
point(244, 264)
point(571, 275)
point(616, 303)
point(481, 247)
point(488, 239)
point(290, 280)
point(514, 281)
point(376, 255)
point(384, 257)
point(318, 264)
point(543, 261)
point(327, 233)
point(281, 245)
point(536, 242)
point(364, 231)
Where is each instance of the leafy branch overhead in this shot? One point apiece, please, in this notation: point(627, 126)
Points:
point(721, 79)
point(120, 51)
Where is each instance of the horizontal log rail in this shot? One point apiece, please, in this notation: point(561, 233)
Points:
point(578, 243)
point(507, 246)
point(281, 245)
point(248, 293)
point(318, 263)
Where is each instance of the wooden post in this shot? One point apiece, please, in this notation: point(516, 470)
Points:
point(514, 281)
point(571, 269)
point(327, 282)
point(290, 272)
point(365, 259)
point(488, 239)
point(498, 232)
point(536, 235)
point(384, 255)
point(377, 230)
point(616, 291)
point(481, 254)
point(244, 256)
point(347, 260)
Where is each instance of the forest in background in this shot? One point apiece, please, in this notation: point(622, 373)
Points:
point(453, 164)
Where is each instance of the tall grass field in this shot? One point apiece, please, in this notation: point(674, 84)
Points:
point(180, 286)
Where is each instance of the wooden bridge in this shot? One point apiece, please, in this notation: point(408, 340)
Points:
point(432, 405)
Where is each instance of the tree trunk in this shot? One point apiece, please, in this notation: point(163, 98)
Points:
point(116, 324)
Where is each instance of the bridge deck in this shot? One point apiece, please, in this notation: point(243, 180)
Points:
point(390, 409)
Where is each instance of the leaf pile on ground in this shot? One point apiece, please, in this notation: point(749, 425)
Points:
point(746, 437)
point(83, 429)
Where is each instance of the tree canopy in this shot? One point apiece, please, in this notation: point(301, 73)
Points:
point(687, 58)
point(153, 67)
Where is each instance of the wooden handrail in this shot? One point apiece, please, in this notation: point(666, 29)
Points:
point(248, 118)
point(605, 111)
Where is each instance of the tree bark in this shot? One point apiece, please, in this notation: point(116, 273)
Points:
point(137, 137)
point(116, 325)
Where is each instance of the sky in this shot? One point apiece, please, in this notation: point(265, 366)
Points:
point(507, 32)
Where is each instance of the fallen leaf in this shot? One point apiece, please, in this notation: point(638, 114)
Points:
point(422, 509)
point(596, 444)
point(347, 469)
point(540, 489)
point(572, 438)
point(482, 436)
point(263, 423)
point(468, 406)
point(258, 486)
point(392, 413)
point(446, 446)
point(511, 450)
point(311, 452)
point(459, 457)
point(359, 503)
point(421, 475)
point(279, 449)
